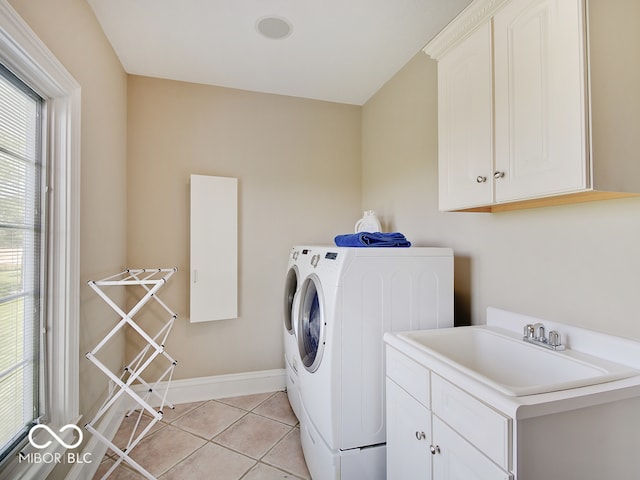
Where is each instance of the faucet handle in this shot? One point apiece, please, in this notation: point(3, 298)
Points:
point(528, 331)
point(554, 338)
point(541, 334)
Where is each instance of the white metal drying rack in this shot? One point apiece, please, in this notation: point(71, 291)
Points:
point(151, 280)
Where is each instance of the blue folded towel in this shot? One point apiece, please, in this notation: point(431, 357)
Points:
point(372, 239)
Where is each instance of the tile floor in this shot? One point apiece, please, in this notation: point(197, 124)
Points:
point(254, 437)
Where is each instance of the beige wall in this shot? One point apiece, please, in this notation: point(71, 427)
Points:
point(70, 30)
point(298, 167)
point(579, 263)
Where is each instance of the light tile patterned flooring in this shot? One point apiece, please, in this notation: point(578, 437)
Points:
point(254, 437)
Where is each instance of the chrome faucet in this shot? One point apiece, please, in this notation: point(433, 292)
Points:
point(536, 334)
point(539, 332)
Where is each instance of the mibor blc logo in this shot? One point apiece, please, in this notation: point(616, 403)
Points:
point(55, 457)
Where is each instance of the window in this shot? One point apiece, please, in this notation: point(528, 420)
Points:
point(21, 259)
point(22, 53)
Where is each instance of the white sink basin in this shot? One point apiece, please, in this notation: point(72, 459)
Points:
point(502, 360)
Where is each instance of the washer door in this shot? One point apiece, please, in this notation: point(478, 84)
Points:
point(290, 290)
point(311, 327)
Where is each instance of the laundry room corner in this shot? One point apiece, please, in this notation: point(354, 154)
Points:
point(292, 184)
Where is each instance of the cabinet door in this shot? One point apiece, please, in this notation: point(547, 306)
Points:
point(457, 459)
point(408, 436)
point(214, 248)
point(540, 137)
point(465, 153)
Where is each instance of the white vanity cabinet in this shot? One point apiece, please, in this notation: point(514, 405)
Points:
point(514, 105)
point(448, 419)
point(437, 431)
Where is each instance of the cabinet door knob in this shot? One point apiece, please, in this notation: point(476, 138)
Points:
point(498, 174)
point(420, 435)
point(481, 179)
point(434, 449)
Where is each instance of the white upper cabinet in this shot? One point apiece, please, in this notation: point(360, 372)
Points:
point(465, 118)
point(540, 96)
point(514, 105)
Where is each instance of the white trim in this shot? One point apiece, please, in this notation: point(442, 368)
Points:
point(477, 13)
point(180, 391)
point(64, 258)
point(22, 52)
point(222, 386)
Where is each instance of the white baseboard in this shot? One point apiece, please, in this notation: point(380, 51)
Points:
point(180, 391)
point(221, 386)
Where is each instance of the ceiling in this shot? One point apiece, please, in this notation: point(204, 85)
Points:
point(338, 50)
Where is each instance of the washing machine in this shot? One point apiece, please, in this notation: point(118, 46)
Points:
point(297, 269)
point(348, 299)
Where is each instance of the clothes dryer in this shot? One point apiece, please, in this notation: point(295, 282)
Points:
point(297, 269)
point(348, 300)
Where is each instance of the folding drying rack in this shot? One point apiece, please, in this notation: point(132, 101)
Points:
point(151, 280)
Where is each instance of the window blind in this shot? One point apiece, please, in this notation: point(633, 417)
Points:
point(21, 259)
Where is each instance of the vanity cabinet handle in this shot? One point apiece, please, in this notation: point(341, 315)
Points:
point(498, 175)
point(434, 449)
point(481, 179)
point(420, 435)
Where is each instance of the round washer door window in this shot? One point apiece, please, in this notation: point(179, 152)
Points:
point(311, 324)
point(290, 290)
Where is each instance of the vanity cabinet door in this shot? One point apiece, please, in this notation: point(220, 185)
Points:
point(457, 459)
point(465, 123)
point(480, 424)
point(540, 98)
point(408, 436)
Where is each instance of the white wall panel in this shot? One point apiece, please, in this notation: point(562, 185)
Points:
point(213, 288)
